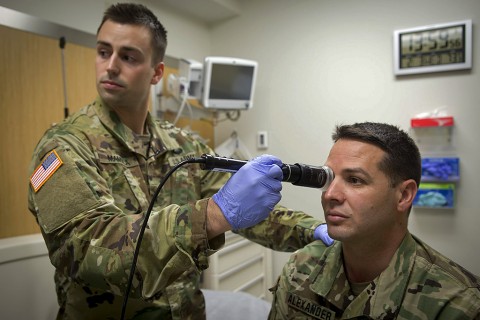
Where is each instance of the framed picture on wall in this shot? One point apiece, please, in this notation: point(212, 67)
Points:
point(433, 48)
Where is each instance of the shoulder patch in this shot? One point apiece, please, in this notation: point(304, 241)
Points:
point(45, 170)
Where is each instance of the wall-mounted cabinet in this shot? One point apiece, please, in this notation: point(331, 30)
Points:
point(440, 170)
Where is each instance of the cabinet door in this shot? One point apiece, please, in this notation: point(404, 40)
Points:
point(31, 100)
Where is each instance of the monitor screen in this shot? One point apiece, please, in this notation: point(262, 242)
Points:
point(231, 82)
point(228, 83)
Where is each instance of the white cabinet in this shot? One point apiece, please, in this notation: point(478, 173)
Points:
point(241, 265)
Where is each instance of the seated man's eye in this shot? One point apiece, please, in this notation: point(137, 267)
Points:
point(355, 180)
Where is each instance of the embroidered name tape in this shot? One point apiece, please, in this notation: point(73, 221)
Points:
point(309, 307)
point(45, 170)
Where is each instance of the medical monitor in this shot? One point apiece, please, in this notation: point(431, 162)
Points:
point(228, 83)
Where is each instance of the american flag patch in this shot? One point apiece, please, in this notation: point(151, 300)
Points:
point(45, 170)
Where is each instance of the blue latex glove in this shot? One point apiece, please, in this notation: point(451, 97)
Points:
point(251, 193)
point(322, 234)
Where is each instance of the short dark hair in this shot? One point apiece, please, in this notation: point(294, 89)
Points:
point(137, 14)
point(402, 160)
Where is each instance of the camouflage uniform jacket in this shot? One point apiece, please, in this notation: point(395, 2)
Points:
point(92, 206)
point(419, 283)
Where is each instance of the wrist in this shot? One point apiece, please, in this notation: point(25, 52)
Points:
point(216, 221)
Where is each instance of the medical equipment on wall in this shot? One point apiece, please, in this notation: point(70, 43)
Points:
point(190, 78)
point(219, 83)
point(188, 84)
point(228, 83)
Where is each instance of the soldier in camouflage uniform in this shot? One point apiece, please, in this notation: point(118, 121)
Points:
point(376, 269)
point(93, 177)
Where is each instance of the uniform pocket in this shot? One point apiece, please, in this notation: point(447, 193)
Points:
point(125, 181)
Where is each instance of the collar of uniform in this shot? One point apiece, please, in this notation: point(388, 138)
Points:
point(387, 290)
point(113, 123)
point(329, 276)
point(382, 296)
point(162, 135)
point(161, 139)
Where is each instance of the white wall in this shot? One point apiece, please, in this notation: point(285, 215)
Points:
point(324, 62)
point(82, 15)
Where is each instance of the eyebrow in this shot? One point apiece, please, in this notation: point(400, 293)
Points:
point(103, 43)
point(357, 171)
point(126, 48)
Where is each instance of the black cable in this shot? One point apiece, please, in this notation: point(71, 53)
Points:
point(144, 226)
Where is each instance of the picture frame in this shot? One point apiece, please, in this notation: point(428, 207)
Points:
point(433, 48)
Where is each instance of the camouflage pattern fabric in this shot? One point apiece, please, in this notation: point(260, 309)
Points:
point(418, 284)
point(91, 208)
point(284, 230)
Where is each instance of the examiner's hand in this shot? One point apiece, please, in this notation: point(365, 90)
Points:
point(322, 234)
point(251, 193)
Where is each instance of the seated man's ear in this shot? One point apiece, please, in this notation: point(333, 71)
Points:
point(407, 191)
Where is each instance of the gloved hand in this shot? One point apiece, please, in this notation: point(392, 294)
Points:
point(251, 193)
point(322, 234)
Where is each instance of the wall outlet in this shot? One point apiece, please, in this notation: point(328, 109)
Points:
point(262, 140)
